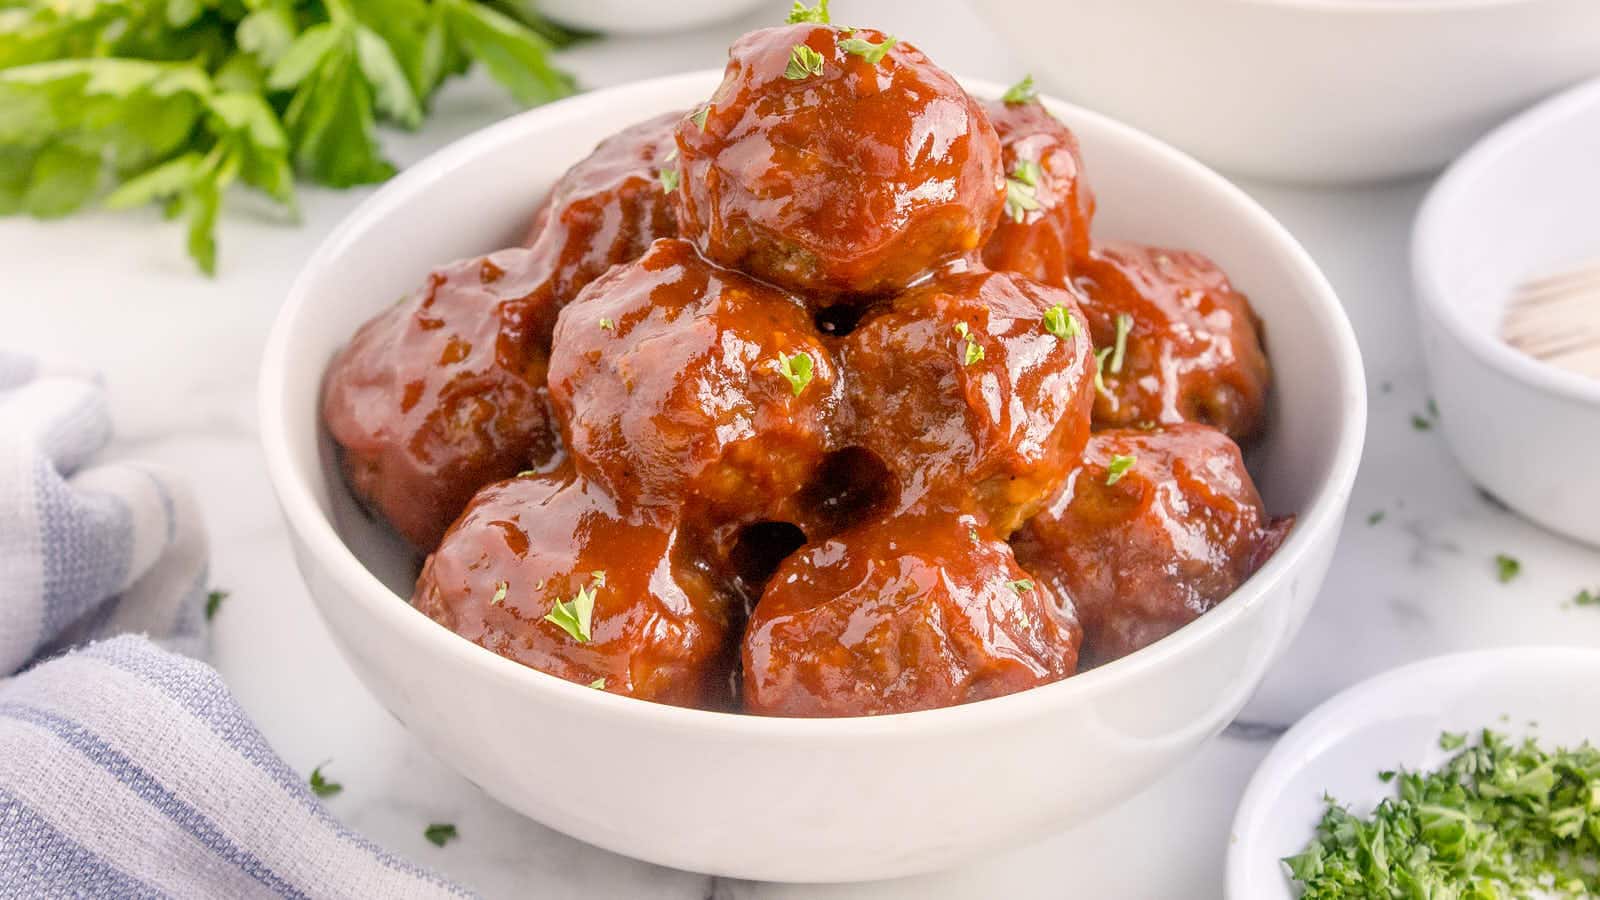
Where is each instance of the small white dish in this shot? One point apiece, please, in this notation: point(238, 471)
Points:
point(1394, 721)
point(1519, 204)
point(1306, 90)
point(803, 799)
point(633, 17)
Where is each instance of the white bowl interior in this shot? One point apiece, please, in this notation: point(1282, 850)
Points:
point(1394, 721)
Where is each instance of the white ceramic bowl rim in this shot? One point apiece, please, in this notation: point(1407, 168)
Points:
point(1430, 250)
point(298, 499)
point(1386, 7)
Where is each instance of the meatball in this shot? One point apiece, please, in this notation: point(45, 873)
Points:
point(974, 389)
point(1044, 230)
point(1157, 527)
point(546, 571)
point(444, 393)
point(905, 613)
point(1191, 345)
point(608, 208)
point(678, 382)
point(837, 161)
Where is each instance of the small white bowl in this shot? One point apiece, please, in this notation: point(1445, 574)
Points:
point(634, 17)
point(1392, 721)
point(1521, 203)
point(1306, 90)
point(798, 799)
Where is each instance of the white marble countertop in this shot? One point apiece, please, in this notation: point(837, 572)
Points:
point(181, 353)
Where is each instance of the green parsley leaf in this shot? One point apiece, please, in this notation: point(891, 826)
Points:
point(598, 684)
point(1452, 740)
point(599, 576)
point(575, 616)
point(803, 62)
point(1587, 597)
point(1022, 195)
point(1506, 567)
point(1059, 322)
point(1100, 357)
point(607, 325)
point(801, 13)
point(501, 588)
point(669, 179)
point(796, 368)
point(699, 117)
point(1420, 424)
point(1124, 326)
point(440, 833)
point(1118, 467)
point(321, 786)
point(1021, 92)
point(1020, 585)
point(214, 602)
point(515, 55)
point(867, 50)
point(1376, 517)
point(973, 351)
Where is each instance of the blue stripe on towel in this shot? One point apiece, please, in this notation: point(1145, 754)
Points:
point(51, 864)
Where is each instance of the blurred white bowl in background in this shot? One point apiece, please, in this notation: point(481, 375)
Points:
point(633, 17)
point(1305, 90)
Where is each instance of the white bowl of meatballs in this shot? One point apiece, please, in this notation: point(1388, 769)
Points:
point(836, 475)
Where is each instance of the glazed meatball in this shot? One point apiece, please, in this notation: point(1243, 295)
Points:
point(545, 570)
point(970, 399)
point(444, 393)
point(680, 383)
point(1192, 345)
point(1157, 527)
point(1044, 230)
point(824, 168)
point(902, 614)
point(608, 208)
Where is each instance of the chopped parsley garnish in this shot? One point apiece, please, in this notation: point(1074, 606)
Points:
point(1022, 189)
point(607, 324)
point(598, 684)
point(1124, 325)
point(440, 833)
point(501, 588)
point(214, 602)
point(1586, 597)
point(973, 533)
point(1506, 567)
point(803, 13)
point(803, 63)
point(1100, 370)
point(699, 117)
point(1420, 424)
point(599, 576)
point(1021, 92)
point(1376, 517)
point(1060, 323)
point(797, 369)
point(1498, 819)
point(321, 786)
point(1021, 585)
point(867, 50)
point(669, 179)
point(1118, 467)
point(575, 616)
point(973, 352)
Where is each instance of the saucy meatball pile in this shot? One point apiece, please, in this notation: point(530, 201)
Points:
point(817, 399)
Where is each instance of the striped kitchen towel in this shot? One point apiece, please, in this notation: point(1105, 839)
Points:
point(127, 769)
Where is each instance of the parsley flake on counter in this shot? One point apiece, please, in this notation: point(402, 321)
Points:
point(575, 616)
point(1376, 517)
point(501, 588)
point(321, 786)
point(1420, 424)
point(1498, 819)
point(1124, 325)
point(214, 602)
point(1586, 597)
point(867, 50)
point(803, 63)
point(1118, 467)
point(1060, 323)
point(1022, 194)
point(796, 368)
point(1506, 567)
point(1021, 92)
point(803, 13)
point(440, 833)
point(1021, 585)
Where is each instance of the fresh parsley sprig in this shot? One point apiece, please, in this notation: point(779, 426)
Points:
point(176, 101)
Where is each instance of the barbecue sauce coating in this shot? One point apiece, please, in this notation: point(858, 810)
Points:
point(1046, 243)
point(668, 380)
point(904, 613)
point(1176, 533)
point(660, 626)
point(1193, 353)
point(856, 180)
point(444, 393)
point(971, 403)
